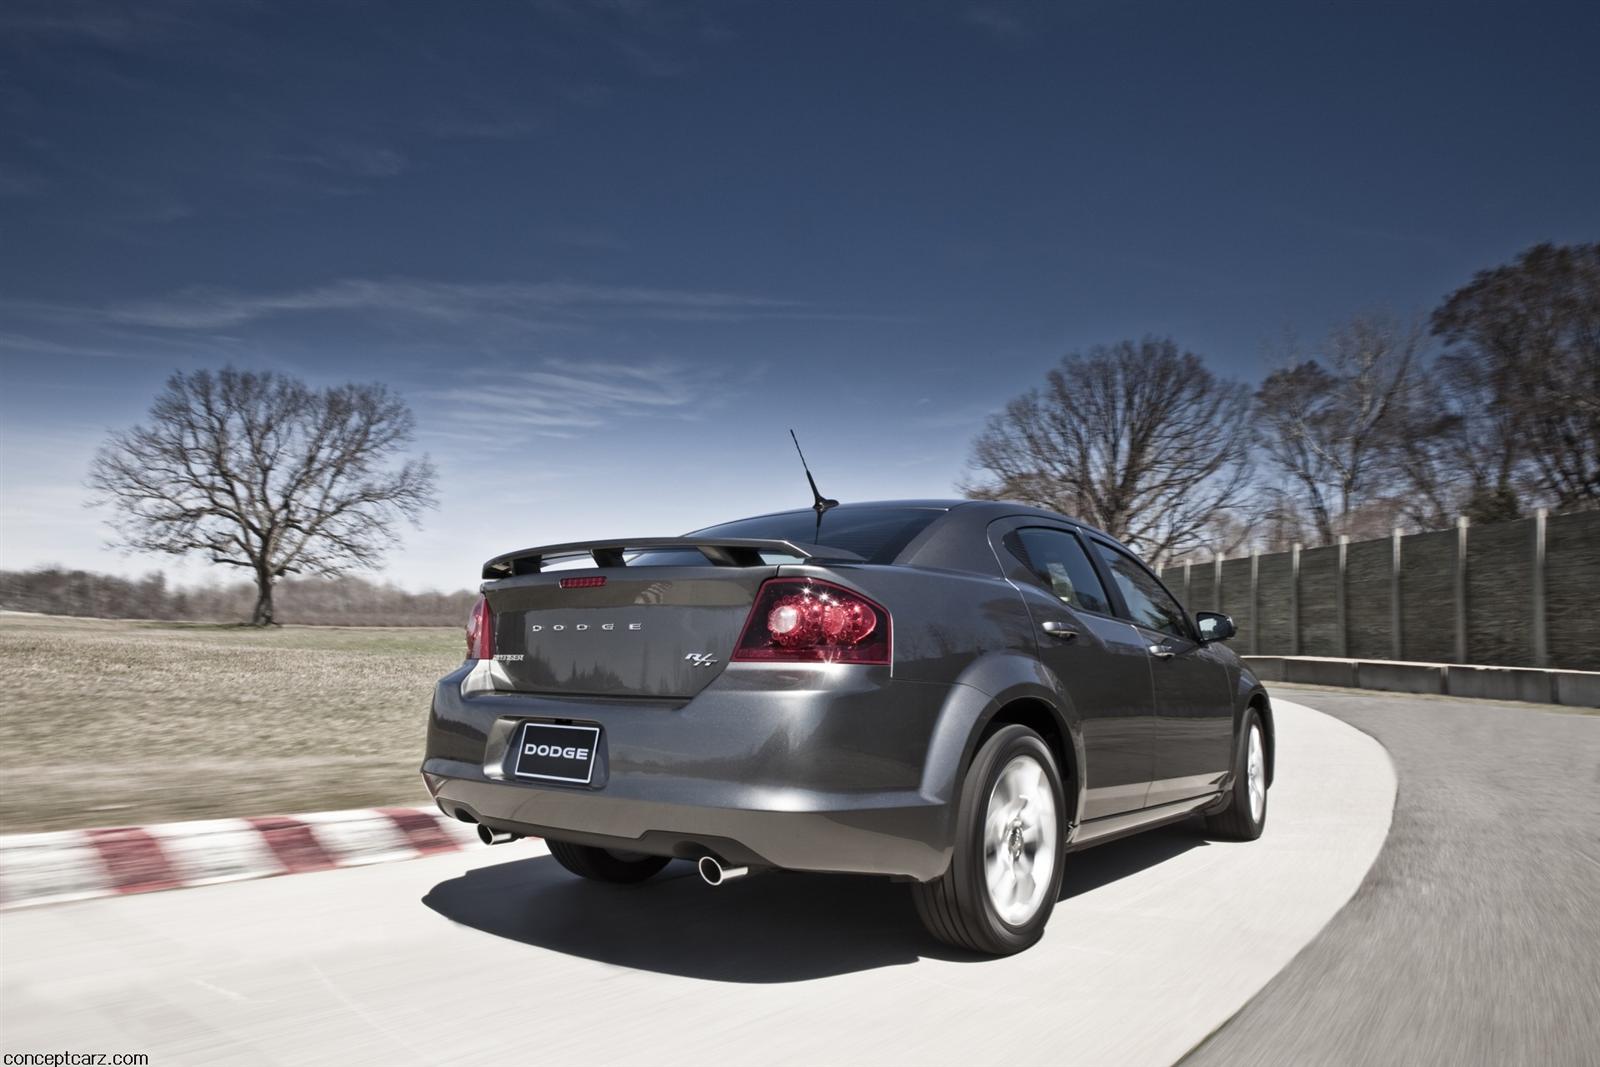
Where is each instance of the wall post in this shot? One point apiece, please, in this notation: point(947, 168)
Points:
point(1397, 643)
point(1188, 601)
point(1216, 584)
point(1339, 606)
point(1541, 638)
point(1294, 599)
point(1461, 589)
point(1255, 602)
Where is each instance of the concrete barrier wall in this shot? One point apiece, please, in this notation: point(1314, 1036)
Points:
point(1514, 594)
point(1236, 598)
point(1579, 689)
point(1497, 590)
point(1572, 583)
point(1367, 611)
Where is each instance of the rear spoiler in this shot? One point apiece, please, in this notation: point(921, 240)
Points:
point(721, 551)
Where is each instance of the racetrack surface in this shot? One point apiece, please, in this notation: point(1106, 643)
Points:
point(500, 956)
point(1475, 938)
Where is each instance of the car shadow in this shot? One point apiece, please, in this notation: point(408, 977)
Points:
point(782, 926)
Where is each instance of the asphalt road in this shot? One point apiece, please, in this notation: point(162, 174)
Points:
point(499, 956)
point(1475, 938)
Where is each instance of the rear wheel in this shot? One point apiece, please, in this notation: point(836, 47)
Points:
point(605, 864)
point(1246, 814)
point(1005, 873)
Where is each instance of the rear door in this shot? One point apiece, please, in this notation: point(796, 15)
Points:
point(1193, 700)
point(1098, 660)
point(634, 631)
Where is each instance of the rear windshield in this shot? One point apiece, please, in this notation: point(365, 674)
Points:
point(875, 534)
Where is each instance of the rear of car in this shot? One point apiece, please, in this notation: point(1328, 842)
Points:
point(734, 693)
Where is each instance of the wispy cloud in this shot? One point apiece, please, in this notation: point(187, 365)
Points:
point(106, 23)
point(27, 346)
point(485, 125)
point(997, 21)
point(19, 183)
point(562, 398)
point(651, 37)
point(359, 160)
point(214, 309)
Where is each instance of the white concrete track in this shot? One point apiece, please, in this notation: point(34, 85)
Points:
point(500, 956)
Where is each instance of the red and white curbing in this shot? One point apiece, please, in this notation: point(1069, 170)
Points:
point(68, 865)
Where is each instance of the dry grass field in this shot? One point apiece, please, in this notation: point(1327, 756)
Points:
point(106, 723)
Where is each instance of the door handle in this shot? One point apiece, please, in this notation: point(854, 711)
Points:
point(1059, 629)
point(1161, 652)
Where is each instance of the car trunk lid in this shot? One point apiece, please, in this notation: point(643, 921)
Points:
point(647, 617)
point(652, 631)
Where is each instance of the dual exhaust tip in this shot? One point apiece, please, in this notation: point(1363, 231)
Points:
point(712, 870)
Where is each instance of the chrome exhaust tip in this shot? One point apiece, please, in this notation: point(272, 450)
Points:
point(496, 837)
point(712, 872)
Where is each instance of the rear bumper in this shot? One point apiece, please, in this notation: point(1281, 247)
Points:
point(895, 836)
point(811, 767)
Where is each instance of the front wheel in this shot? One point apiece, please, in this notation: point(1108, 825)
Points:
point(1246, 814)
point(605, 864)
point(1005, 873)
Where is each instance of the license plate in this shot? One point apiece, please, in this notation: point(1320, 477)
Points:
point(556, 753)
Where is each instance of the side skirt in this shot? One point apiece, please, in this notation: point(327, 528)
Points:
point(1110, 827)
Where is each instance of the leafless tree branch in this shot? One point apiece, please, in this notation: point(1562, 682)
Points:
point(1136, 438)
point(260, 471)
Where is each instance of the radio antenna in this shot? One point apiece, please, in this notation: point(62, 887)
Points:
point(820, 503)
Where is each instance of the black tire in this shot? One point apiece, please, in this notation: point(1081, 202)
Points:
point(604, 865)
point(956, 907)
point(1237, 822)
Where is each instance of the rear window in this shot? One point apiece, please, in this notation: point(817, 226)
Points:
point(875, 534)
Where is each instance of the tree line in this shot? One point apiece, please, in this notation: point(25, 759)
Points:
point(347, 600)
point(1488, 407)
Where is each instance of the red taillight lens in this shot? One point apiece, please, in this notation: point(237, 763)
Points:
point(588, 582)
point(480, 631)
point(803, 620)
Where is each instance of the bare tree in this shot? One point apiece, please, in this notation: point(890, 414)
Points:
point(260, 471)
point(1457, 449)
point(1136, 438)
point(1526, 338)
point(1330, 425)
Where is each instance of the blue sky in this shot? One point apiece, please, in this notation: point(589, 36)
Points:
point(609, 251)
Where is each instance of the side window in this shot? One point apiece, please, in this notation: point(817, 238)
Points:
point(1058, 559)
point(1149, 605)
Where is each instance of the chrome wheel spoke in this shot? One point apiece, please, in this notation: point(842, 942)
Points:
point(1024, 886)
point(995, 861)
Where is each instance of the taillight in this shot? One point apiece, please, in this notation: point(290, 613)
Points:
point(803, 620)
point(480, 631)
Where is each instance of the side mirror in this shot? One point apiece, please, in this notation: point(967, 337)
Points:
point(1214, 626)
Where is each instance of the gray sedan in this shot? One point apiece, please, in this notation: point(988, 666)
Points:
point(951, 693)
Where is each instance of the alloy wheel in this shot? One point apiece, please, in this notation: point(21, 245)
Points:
point(1019, 840)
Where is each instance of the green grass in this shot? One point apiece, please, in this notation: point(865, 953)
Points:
point(116, 723)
